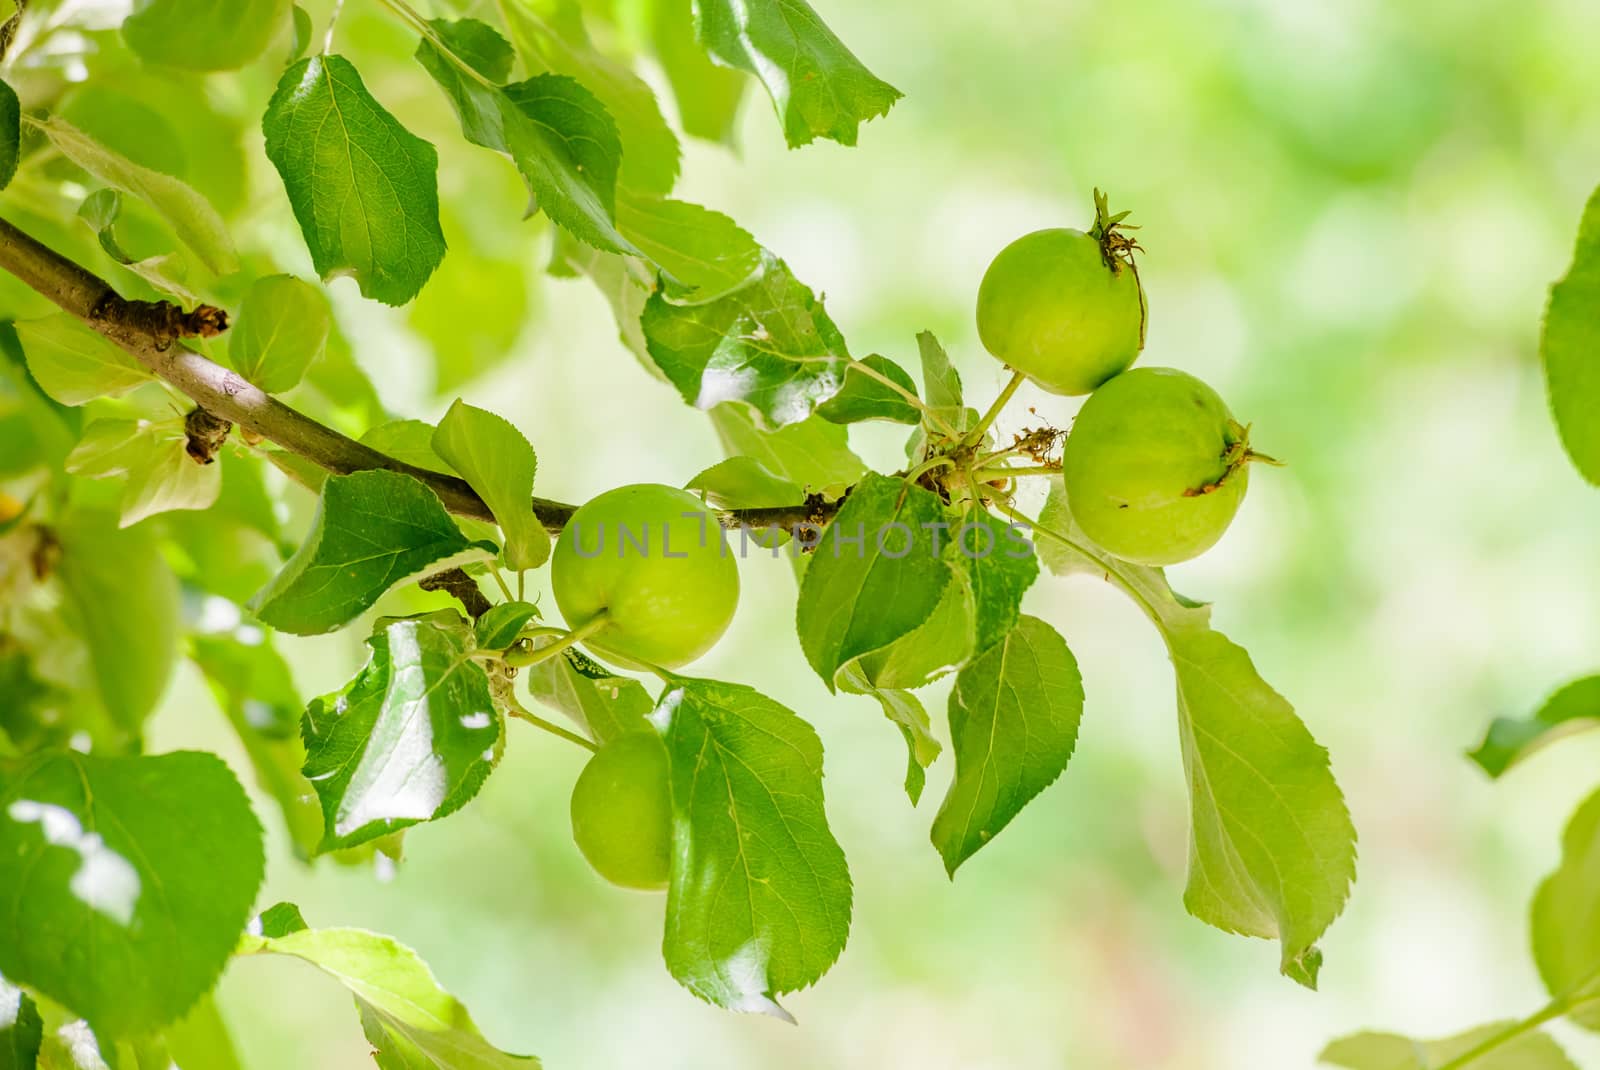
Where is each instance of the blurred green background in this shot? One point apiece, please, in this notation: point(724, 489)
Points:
point(1351, 210)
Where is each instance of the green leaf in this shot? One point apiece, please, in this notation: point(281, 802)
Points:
point(126, 601)
point(124, 882)
point(410, 739)
point(560, 45)
point(303, 30)
point(1014, 717)
point(1574, 708)
point(768, 345)
point(863, 397)
point(410, 441)
point(708, 94)
point(73, 364)
point(1570, 347)
point(813, 454)
point(758, 902)
point(200, 1040)
point(906, 712)
point(282, 327)
point(1272, 849)
point(1566, 926)
point(599, 701)
point(205, 35)
point(373, 531)
point(254, 688)
point(20, 1028)
point(562, 140)
point(154, 459)
point(705, 253)
point(874, 577)
point(10, 133)
point(167, 272)
point(410, 1021)
point(936, 647)
point(817, 86)
point(363, 187)
point(744, 483)
point(498, 628)
point(190, 215)
point(1000, 566)
point(1390, 1051)
point(944, 397)
point(492, 456)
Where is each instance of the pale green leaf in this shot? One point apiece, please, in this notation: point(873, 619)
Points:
point(153, 459)
point(73, 364)
point(373, 531)
point(124, 882)
point(206, 35)
point(906, 712)
point(599, 701)
point(759, 897)
point(744, 483)
point(410, 441)
point(708, 94)
point(200, 1041)
point(817, 86)
point(1566, 924)
point(494, 457)
point(768, 345)
point(813, 454)
point(1272, 850)
point(364, 189)
point(282, 327)
point(1571, 348)
point(1390, 1051)
point(190, 215)
point(411, 1022)
point(410, 739)
point(1014, 717)
point(499, 628)
point(1574, 708)
point(705, 253)
point(126, 601)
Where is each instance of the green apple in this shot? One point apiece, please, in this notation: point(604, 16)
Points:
point(1156, 466)
point(622, 812)
point(652, 559)
point(1065, 307)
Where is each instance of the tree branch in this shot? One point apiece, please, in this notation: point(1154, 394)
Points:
point(150, 331)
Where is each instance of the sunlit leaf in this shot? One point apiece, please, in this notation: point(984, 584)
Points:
point(116, 873)
point(1571, 348)
point(494, 457)
point(207, 35)
point(1574, 708)
point(599, 701)
point(73, 364)
point(1390, 1051)
point(1566, 925)
point(282, 327)
point(153, 459)
point(865, 396)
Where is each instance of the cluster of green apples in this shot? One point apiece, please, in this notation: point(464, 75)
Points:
point(643, 572)
point(1155, 465)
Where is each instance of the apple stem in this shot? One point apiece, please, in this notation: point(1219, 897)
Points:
point(572, 638)
point(520, 711)
point(975, 436)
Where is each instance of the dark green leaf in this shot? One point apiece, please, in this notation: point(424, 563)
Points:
point(410, 1021)
point(373, 530)
point(1014, 718)
point(253, 686)
point(599, 701)
point(874, 577)
point(280, 919)
point(1390, 1051)
point(20, 1029)
point(768, 345)
point(818, 87)
point(865, 397)
point(364, 189)
point(1571, 348)
point(1000, 566)
point(410, 739)
point(1272, 851)
point(1566, 926)
point(10, 133)
point(206, 35)
point(303, 30)
point(124, 882)
point(560, 45)
point(282, 327)
point(126, 601)
point(1574, 708)
point(759, 898)
point(562, 139)
point(492, 456)
point(498, 628)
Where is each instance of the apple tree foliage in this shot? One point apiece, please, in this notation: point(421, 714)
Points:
point(183, 426)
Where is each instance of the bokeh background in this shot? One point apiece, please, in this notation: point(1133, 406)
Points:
point(1352, 210)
